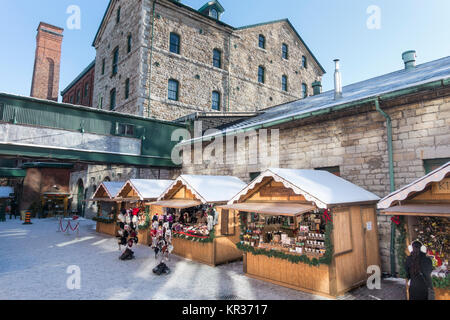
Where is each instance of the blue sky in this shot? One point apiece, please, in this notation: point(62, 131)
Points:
point(331, 28)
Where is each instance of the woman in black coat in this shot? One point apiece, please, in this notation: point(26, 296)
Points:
point(418, 270)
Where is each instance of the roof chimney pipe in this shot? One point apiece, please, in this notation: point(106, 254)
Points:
point(337, 81)
point(409, 58)
point(317, 87)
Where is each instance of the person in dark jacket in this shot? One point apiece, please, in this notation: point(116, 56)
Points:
point(418, 270)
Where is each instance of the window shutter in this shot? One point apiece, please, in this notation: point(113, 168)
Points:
point(224, 222)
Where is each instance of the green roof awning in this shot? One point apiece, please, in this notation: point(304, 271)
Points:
point(12, 173)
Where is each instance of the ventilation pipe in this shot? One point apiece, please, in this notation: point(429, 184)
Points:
point(409, 58)
point(317, 87)
point(337, 81)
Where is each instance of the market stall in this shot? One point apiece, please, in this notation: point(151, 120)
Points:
point(6, 196)
point(107, 207)
point(200, 233)
point(54, 203)
point(421, 211)
point(308, 230)
point(138, 194)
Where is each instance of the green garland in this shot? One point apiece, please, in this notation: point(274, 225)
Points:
point(212, 236)
point(325, 259)
point(441, 283)
point(401, 248)
point(103, 220)
point(146, 224)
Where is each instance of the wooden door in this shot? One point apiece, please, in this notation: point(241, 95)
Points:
point(370, 228)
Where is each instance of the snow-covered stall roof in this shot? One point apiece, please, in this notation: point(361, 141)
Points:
point(111, 188)
point(209, 189)
point(321, 187)
point(5, 192)
point(148, 189)
point(397, 81)
point(416, 186)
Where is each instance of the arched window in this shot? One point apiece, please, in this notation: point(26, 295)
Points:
point(115, 61)
point(112, 99)
point(174, 43)
point(118, 15)
point(284, 84)
point(127, 88)
point(173, 93)
point(262, 41)
point(285, 51)
point(129, 42)
point(213, 13)
point(304, 90)
point(217, 58)
point(216, 100)
point(304, 62)
point(261, 74)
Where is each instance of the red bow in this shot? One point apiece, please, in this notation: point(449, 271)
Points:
point(396, 220)
point(326, 215)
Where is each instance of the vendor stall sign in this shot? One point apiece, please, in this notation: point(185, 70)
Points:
point(441, 187)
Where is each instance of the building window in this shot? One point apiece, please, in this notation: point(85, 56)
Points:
point(71, 99)
point(118, 15)
point(127, 88)
point(432, 164)
point(214, 14)
point(304, 62)
point(217, 58)
point(334, 170)
point(304, 90)
point(115, 61)
point(216, 100)
point(285, 51)
point(174, 43)
point(284, 84)
point(103, 66)
point(77, 101)
point(173, 90)
point(112, 99)
point(261, 74)
point(125, 129)
point(129, 41)
point(100, 102)
point(254, 175)
point(86, 90)
point(262, 41)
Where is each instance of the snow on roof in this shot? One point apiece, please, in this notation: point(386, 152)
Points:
point(6, 191)
point(321, 187)
point(403, 79)
point(416, 186)
point(150, 189)
point(210, 189)
point(113, 188)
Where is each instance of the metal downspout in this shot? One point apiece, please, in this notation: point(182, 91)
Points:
point(391, 177)
point(151, 61)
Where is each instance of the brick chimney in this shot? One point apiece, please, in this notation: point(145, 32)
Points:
point(45, 83)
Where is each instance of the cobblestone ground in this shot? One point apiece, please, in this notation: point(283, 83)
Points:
point(34, 261)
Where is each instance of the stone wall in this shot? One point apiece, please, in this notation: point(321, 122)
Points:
point(358, 145)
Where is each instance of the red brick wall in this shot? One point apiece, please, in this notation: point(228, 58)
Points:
point(45, 83)
point(80, 85)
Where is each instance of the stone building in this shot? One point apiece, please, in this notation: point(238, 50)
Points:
point(80, 91)
point(45, 82)
point(348, 135)
point(163, 59)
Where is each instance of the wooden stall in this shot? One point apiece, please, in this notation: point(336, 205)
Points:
point(425, 206)
point(139, 193)
point(55, 203)
point(308, 230)
point(191, 193)
point(108, 207)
